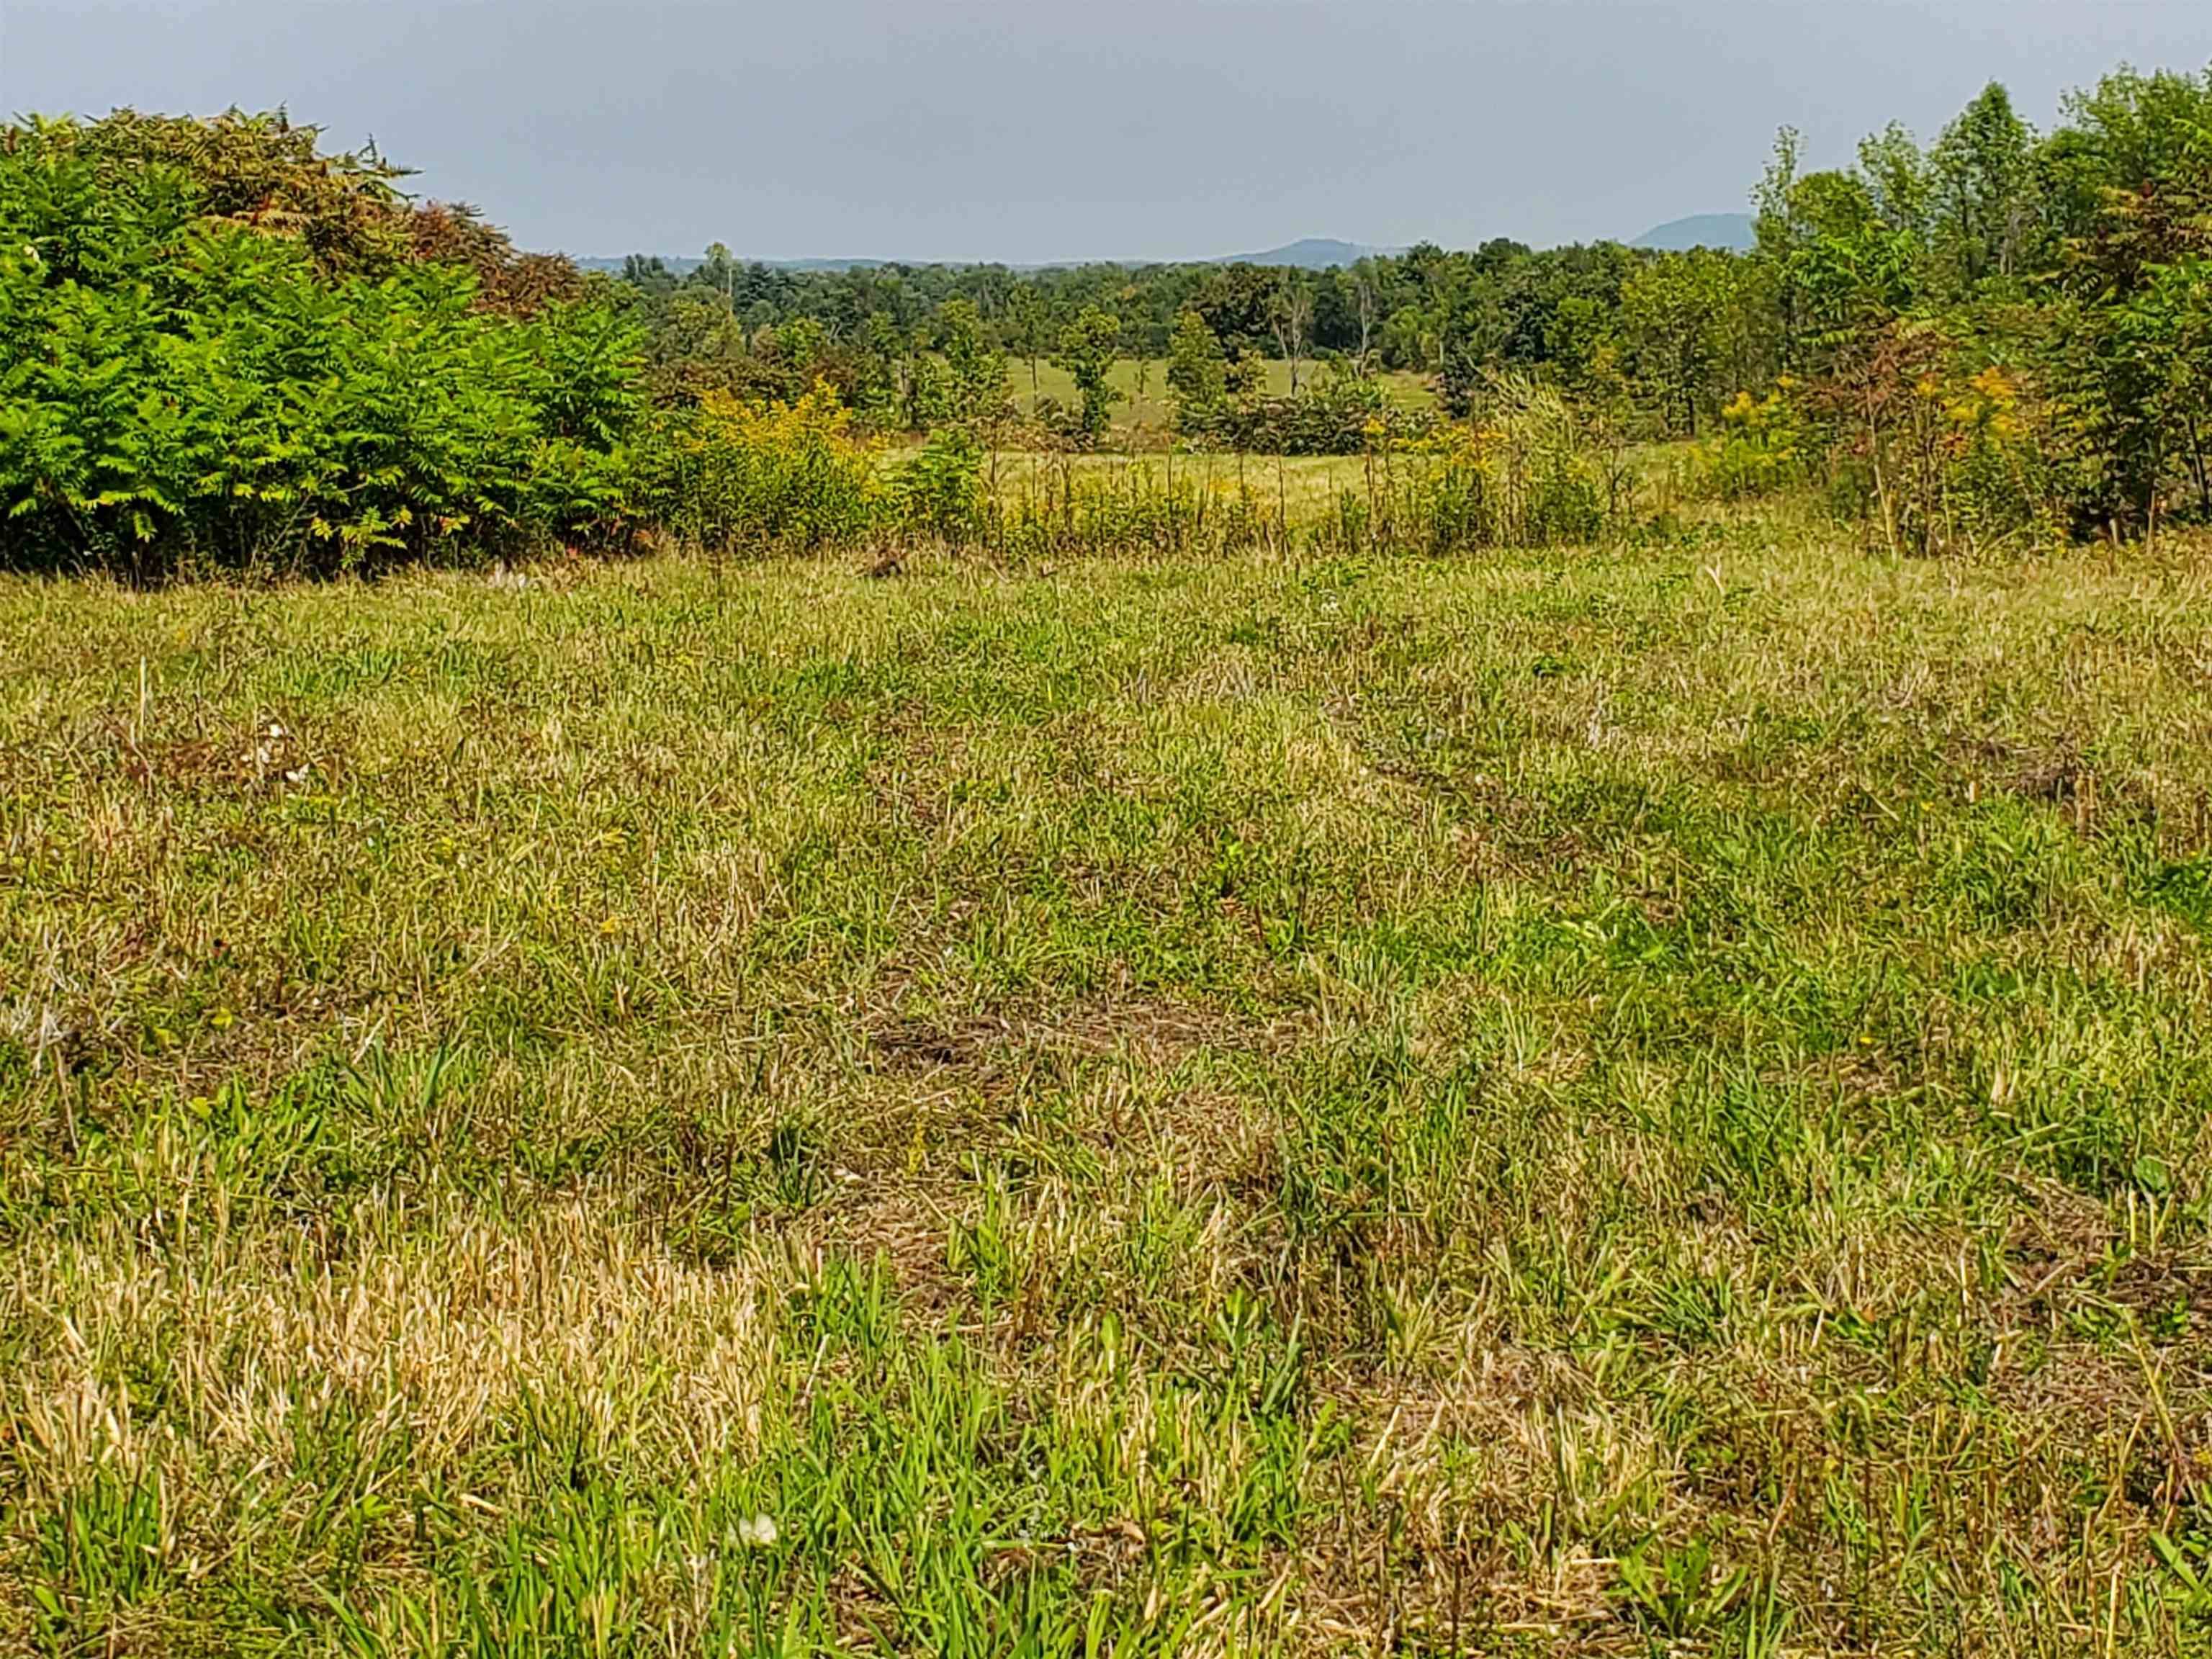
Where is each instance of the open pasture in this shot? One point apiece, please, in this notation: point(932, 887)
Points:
point(1600, 1100)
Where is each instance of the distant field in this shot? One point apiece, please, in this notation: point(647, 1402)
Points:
point(1152, 409)
point(1305, 486)
point(1306, 483)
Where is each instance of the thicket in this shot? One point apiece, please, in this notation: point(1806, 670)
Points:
point(220, 346)
point(2005, 335)
point(1341, 413)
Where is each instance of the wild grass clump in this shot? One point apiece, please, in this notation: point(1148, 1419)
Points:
point(1530, 471)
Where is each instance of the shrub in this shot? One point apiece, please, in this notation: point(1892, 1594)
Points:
point(940, 492)
point(779, 475)
point(1761, 447)
point(1940, 451)
point(1539, 472)
point(236, 410)
point(180, 388)
point(1342, 414)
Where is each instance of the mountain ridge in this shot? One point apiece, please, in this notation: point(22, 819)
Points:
point(1730, 231)
point(1307, 253)
point(1733, 233)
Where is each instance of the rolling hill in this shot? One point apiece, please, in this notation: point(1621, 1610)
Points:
point(1730, 231)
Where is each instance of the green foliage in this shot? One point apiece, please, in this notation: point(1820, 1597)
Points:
point(1535, 472)
point(939, 491)
point(259, 173)
point(1087, 348)
point(1689, 329)
point(2006, 335)
point(1760, 448)
point(1986, 226)
point(1339, 414)
point(177, 390)
point(1197, 371)
point(2163, 336)
point(976, 375)
point(220, 346)
point(732, 475)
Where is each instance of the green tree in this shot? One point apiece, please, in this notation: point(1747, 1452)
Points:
point(720, 271)
point(2167, 332)
point(1197, 372)
point(1027, 334)
point(1087, 348)
point(1983, 193)
point(976, 392)
point(880, 383)
point(2128, 188)
point(1672, 314)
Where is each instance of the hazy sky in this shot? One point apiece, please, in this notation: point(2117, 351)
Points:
point(1032, 130)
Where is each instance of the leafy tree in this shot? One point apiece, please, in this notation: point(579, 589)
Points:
point(1087, 349)
point(720, 271)
point(1982, 200)
point(1671, 314)
point(976, 374)
point(2129, 186)
point(1245, 375)
point(1027, 334)
point(1197, 372)
point(882, 380)
point(1239, 303)
point(2167, 333)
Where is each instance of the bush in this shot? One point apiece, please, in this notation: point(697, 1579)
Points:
point(1761, 447)
point(180, 389)
point(1342, 414)
point(940, 492)
point(1534, 472)
point(1938, 450)
point(783, 476)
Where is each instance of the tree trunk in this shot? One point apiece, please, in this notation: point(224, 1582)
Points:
point(2197, 464)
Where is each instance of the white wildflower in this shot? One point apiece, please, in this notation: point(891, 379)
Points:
point(759, 1533)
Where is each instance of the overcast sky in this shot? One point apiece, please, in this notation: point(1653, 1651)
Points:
point(1035, 130)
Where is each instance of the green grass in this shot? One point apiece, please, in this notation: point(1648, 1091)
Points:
point(1626, 1101)
point(1152, 408)
point(1303, 487)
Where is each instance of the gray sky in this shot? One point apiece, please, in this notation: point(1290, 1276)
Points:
point(1032, 130)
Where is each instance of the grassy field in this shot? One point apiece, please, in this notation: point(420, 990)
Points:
point(1651, 1100)
point(1303, 487)
point(1149, 407)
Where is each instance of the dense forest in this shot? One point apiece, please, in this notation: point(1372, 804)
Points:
point(220, 344)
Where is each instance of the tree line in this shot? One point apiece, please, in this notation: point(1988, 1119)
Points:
point(2066, 269)
point(221, 343)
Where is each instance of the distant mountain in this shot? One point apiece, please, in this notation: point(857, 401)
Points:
point(1731, 231)
point(835, 264)
point(684, 264)
point(1313, 253)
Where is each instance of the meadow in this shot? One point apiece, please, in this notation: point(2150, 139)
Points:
point(1144, 404)
point(1624, 1099)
